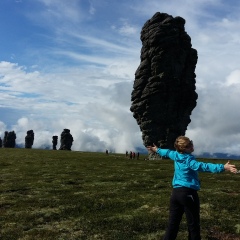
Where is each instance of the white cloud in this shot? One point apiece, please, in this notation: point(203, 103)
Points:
point(127, 29)
point(233, 78)
point(94, 136)
point(92, 9)
point(2, 128)
point(61, 10)
point(98, 114)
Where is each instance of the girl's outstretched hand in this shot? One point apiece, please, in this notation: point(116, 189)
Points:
point(153, 148)
point(229, 167)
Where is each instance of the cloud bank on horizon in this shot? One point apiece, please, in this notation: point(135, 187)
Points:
point(71, 64)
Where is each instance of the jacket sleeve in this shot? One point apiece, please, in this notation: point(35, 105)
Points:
point(205, 167)
point(166, 153)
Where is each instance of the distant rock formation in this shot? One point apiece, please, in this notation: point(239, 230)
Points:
point(9, 140)
point(163, 95)
point(54, 142)
point(66, 140)
point(29, 139)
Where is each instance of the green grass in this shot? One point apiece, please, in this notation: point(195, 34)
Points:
point(64, 195)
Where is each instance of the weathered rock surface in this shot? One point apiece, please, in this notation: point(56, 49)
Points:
point(66, 140)
point(29, 139)
point(55, 142)
point(9, 140)
point(164, 95)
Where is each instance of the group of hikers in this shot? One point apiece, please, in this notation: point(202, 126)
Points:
point(132, 155)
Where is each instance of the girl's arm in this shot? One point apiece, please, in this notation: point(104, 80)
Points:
point(162, 152)
point(210, 167)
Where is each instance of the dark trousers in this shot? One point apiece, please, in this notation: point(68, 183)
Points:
point(184, 200)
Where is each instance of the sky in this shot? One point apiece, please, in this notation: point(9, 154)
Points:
point(71, 64)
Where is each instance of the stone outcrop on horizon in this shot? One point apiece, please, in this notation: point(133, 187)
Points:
point(9, 140)
point(29, 139)
point(164, 95)
point(54, 142)
point(66, 140)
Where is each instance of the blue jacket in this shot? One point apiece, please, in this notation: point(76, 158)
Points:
point(187, 168)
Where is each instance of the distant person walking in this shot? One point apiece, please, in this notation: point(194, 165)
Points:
point(185, 183)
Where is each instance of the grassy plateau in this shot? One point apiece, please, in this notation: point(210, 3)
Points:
point(68, 195)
